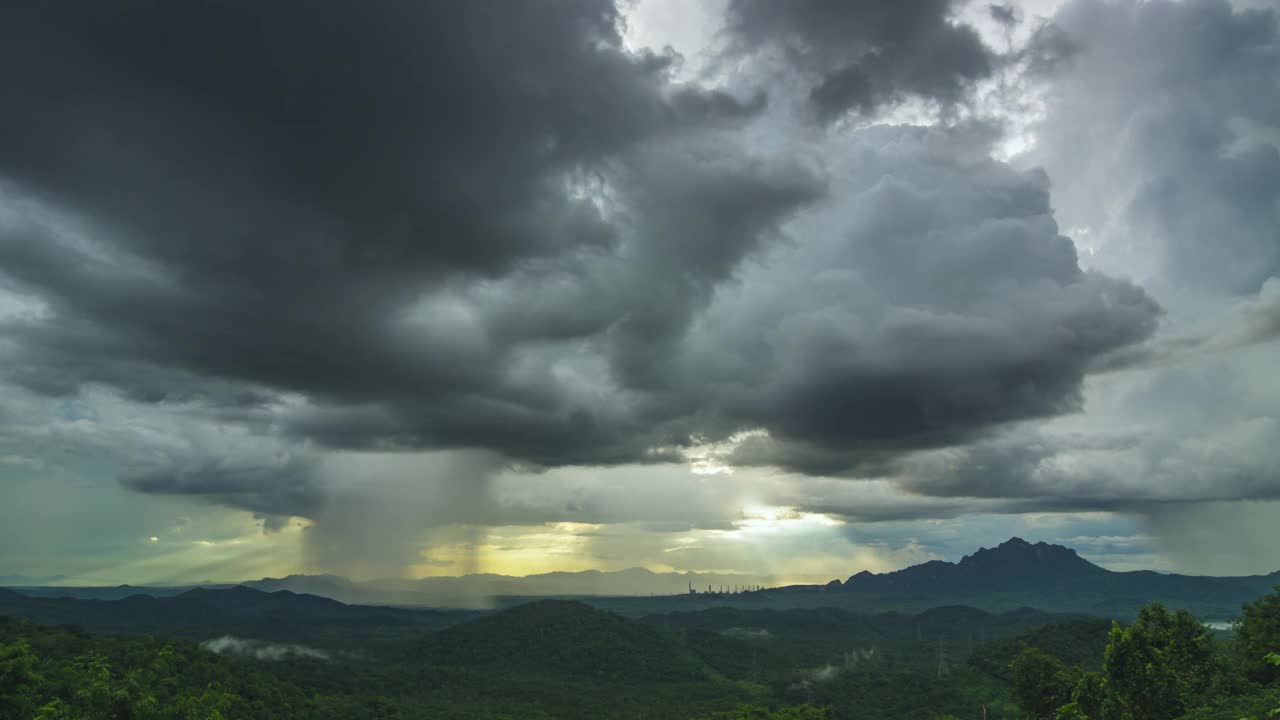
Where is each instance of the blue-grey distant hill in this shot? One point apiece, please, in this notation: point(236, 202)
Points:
point(201, 613)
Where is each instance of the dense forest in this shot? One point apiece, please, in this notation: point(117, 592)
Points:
point(563, 659)
point(1164, 665)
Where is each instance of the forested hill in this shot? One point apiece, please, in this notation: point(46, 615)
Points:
point(565, 637)
point(196, 613)
point(548, 659)
point(568, 660)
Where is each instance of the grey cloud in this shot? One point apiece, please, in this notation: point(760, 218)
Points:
point(1110, 545)
point(1003, 13)
point(936, 302)
point(377, 513)
point(860, 55)
point(881, 500)
point(632, 494)
point(1178, 437)
point(1220, 538)
point(1048, 50)
point(1259, 319)
point(370, 513)
point(282, 482)
point(1242, 325)
point(1013, 465)
point(860, 460)
point(1160, 136)
point(167, 448)
point(912, 509)
point(272, 523)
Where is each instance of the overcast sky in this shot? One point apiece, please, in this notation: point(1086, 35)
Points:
point(796, 288)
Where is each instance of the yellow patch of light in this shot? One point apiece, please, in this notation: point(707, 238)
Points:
point(514, 550)
point(574, 527)
point(686, 542)
point(251, 553)
point(701, 467)
point(224, 543)
point(758, 520)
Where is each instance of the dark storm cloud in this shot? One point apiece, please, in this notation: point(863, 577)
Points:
point(275, 487)
point(860, 55)
point(1017, 465)
point(936, 302)
point(355, 138)
point(861, 509)
point(272, 187)
point(469, 225)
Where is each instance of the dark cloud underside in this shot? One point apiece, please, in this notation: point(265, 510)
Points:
point(488, 225)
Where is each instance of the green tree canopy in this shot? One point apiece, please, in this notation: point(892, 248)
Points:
point(1257, 633)
point(1041, 683)
point(1159, 666)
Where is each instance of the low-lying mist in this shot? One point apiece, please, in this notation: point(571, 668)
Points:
point(261, 649)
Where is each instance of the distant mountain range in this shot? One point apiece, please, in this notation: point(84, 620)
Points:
point(471, 590)
point(475, 590)
point(1015, 563)
point(564, 637)
point(1052, 577)
point(12, 580)
point(1011, 575)
point(559, 637)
